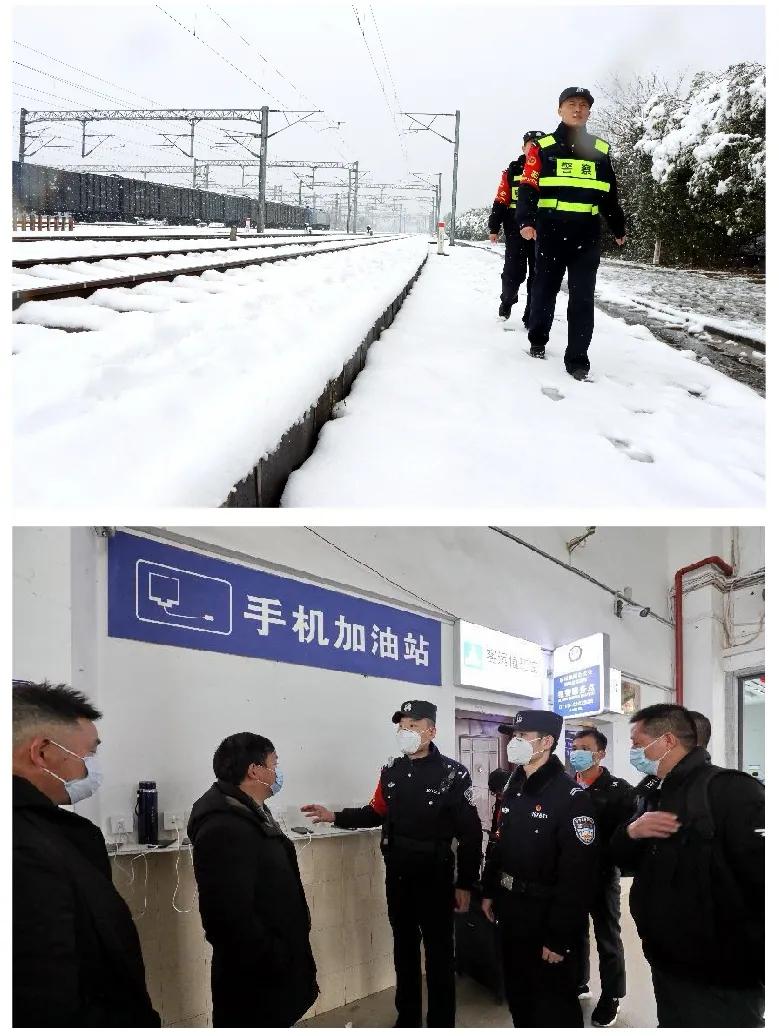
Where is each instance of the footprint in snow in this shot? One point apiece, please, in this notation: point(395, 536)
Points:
point(624, 446)
point(552, 393)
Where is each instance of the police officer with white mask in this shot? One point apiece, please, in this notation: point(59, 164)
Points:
point(540, 876)
point(422, 802)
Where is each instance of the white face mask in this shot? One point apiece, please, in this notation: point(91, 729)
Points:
point(409, 741)
point(82, 787)
point(519, 751)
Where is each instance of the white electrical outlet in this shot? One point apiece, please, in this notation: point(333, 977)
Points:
point(119, 824)
point(174, 818)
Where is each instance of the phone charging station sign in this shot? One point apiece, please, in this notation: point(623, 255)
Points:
point(581, 677)
point(495, 661)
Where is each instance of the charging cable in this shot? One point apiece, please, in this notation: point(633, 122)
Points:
point(191, 907)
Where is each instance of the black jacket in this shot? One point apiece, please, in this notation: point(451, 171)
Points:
point(541, 162)
point(253, 910)
point(547, 839)
point(614, 802)
point(698, 902)
point(422, 804)
point(76, 955)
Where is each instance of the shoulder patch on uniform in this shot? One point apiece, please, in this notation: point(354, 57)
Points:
point(601, 145)
point(575, 791)
point(547, 141)
point(585, 829)
point(468, 794)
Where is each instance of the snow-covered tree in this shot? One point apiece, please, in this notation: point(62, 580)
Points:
point(707, 158)
point(470, 225)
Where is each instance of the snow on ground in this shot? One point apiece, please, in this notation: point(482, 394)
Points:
point(174, 406)
point(50, 275)
point(452, 411)
point(730, 302)
point(135, 231)
point(68, 247)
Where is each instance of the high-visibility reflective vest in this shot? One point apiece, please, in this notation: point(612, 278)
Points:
point(514, 180)
point(573, 185)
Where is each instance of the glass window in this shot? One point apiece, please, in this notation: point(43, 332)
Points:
point(752, 724)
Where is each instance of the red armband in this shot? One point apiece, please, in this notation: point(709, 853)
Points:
point(532, 167)
point(377, 803)
point(503, 192)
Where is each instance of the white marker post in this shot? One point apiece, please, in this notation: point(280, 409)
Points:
point(441, 228)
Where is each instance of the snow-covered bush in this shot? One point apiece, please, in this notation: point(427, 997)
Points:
point(470, 225)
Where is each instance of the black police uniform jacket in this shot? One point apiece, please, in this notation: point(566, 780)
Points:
point(254, 911)
point(547, 163)
point(76, 955)
point(547, 842)
point(699, 902)
point(614, 802)
point(421, 805)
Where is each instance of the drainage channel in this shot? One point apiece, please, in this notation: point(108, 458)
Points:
point(264, 485)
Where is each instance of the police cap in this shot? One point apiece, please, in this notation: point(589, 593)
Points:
point(532, 135)
point(538, 720)
point(577, 91)
point(415, 710)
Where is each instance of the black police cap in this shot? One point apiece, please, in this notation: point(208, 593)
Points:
point(415, 710)
point(538, 720)
point(577, 91)
point(532, 135)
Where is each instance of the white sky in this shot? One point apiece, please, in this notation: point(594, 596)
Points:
point(503, 66)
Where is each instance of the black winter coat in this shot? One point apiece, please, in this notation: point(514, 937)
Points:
point(76, 955)
point(254, 912)
point(547, 839)
point(699, 904)
point(614, 802)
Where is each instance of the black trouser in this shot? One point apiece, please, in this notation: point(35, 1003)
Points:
point(611, 955)
point(539, 994)
point(688, 1005)
point(520, 260)
point(420, 903)
point(562, 245)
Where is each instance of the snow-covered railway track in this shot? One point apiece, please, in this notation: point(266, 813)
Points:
point(152, 250)
point(222, 235)
point(84, 288)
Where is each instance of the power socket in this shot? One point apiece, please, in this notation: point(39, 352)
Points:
point(120, 824)
point(174, 818)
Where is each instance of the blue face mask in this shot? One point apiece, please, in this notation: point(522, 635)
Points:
point(275, 788)
point(82, 787)
point(642, 764)
point(582, 759)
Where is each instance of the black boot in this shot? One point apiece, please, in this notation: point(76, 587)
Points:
point(504, 310)
point(538, 352)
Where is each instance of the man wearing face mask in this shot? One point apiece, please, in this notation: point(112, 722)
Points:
point(540, 877)
point(76, 955)
point(698, 896)
point(613, 800)
point(422, 802)
point(252, 903)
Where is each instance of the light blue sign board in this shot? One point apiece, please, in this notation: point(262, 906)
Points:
point(170, 595)
point(578, 693)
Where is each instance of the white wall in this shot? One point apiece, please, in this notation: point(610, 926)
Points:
point(166, 709)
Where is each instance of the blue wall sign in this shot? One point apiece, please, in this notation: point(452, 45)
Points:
point(580, 669)
point(169, 595)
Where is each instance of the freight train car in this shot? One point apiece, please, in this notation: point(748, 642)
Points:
point(93, 197)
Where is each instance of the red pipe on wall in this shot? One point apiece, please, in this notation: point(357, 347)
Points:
point(724, 567)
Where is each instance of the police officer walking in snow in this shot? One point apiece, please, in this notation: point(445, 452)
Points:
point(567, 182)
point(422, 802)
point(539, 879)
point(520, 254)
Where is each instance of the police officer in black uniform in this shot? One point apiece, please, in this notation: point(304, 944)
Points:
point(520, 254)
point(567, 182)
point(540, 876)
point(613, 800)
point(422, 802)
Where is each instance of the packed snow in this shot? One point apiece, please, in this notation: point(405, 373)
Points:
point(53, 274)
point(173, 404)
point(452, 411)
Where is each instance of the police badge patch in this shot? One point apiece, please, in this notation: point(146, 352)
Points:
point(585, 829)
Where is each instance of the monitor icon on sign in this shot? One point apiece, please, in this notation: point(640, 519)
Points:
point(171, 596)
